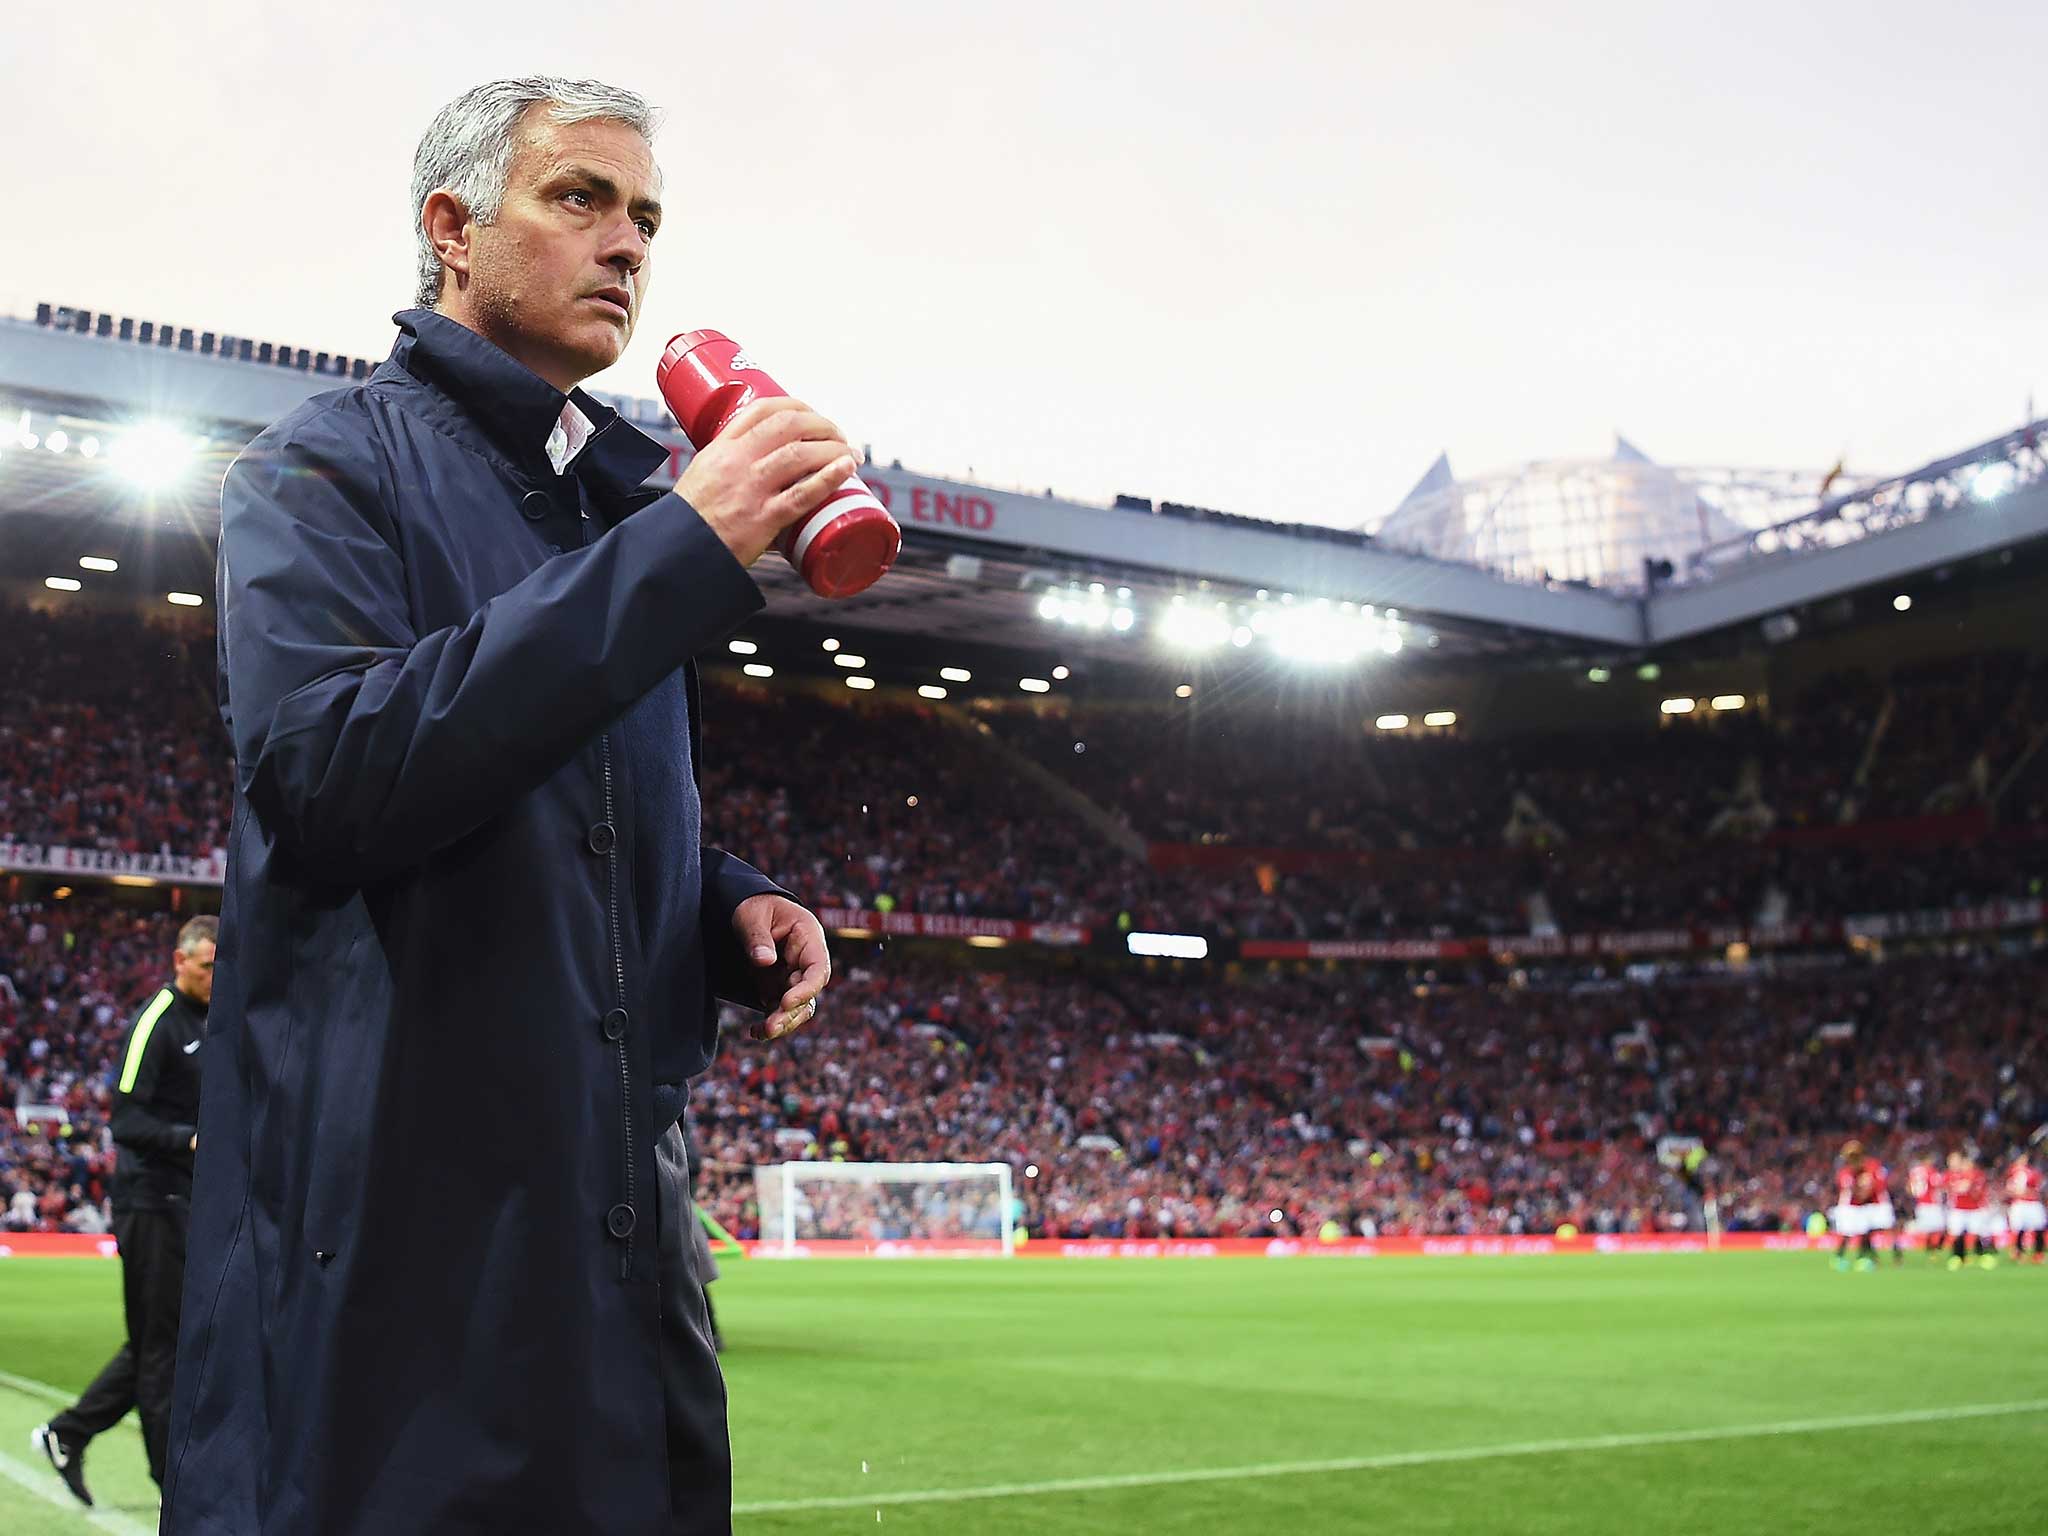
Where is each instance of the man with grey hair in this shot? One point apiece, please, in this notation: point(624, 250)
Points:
point(155, 1124)
point(441, 1279)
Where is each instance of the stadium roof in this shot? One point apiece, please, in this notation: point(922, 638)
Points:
point(998, 567)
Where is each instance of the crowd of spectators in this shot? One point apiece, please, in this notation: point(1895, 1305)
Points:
point(109, 739)
point(72, 974)
point(112, 742)
point(1202, 1101)
point(1274, 1102)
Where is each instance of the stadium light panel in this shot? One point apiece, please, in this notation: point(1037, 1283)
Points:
point(741, 647)
point(186, 599)
point(63, 583)
point(1993, 481)
point(1598, 674)
point(1171, 946)
point(1649, 672)
point(154, 455)
point(1034, 685)
point(1191, 628)
point(89, 448)
point(1392, 722)
point(956, 674)
point(930, 691)
point(1679, 706)
point(862, 683)
point(1902, 602)
point(1122, 619)
point(1060, 674)
point(1184, 691)
point(1049, 606)
point(98, 563)
point(1440, 717)
point(830, 645)
point(1728, 701)
point(57, 441)
point(986, 941)
point(1241, 636)
point(850, 661)
point(758, 669)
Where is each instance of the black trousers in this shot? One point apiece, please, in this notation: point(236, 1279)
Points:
point(692, 1387)
point(139, 1376)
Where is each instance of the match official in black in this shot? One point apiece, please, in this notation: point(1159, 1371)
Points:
point(442, 1281)
point(156, 1129)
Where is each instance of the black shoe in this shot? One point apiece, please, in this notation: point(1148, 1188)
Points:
point(67, 1458)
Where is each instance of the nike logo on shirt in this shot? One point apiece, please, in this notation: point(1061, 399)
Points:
point(193, 1045)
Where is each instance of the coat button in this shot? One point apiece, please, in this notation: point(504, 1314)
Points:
point(615, 1024)
point(535, 505)
point(603, 838)
point(619, 1220)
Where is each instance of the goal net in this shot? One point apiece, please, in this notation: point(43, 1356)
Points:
point(884, 1208)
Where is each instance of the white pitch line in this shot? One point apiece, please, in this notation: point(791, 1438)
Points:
point(38, 1480)
point(35, 1388)
point(42, 1482)
point(1393, 1459)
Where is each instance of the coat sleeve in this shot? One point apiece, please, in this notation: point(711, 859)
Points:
point(364, 745)
point(134, 1124)
point(728, 881)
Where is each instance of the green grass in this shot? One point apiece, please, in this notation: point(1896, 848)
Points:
point(862, 1381)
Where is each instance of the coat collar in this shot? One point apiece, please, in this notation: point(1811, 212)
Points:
point(514, 408)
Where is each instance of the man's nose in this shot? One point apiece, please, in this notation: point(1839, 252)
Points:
point(626, 247)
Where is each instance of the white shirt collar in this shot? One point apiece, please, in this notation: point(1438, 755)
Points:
point(567, 437)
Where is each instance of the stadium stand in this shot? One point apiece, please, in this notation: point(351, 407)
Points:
point(1485, 1095)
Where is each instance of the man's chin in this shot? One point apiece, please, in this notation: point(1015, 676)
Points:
point(592, 349)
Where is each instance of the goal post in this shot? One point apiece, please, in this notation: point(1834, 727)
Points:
point(966, 1209)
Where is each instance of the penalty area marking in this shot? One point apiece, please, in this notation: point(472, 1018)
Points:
point(1395, 1459)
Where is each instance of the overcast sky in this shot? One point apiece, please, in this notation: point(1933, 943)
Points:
point(1269, 259)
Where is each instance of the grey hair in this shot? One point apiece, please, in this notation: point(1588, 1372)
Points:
point(468, 148)
point(203, 929)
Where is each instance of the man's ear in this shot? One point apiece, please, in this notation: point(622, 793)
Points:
point(448, 227)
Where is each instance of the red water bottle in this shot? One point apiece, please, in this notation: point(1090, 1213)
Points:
point(842, 548)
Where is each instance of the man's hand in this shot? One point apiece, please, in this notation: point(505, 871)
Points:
point(792, 966)
point(776, 463)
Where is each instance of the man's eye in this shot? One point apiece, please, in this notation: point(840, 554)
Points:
point(584, 195)
point(646, 227)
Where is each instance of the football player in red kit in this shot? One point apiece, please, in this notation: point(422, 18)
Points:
point(1930, 1221)
point(1863, 1205)
point(2024, 1212)
point(1970, 1216)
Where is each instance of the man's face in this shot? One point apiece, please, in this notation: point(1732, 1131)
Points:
point(192, 974)
point(558, 281)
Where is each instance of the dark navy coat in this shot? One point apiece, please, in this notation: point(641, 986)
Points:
point(468, 957)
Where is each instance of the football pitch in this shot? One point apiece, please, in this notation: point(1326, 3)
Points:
point(1585, 1395)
